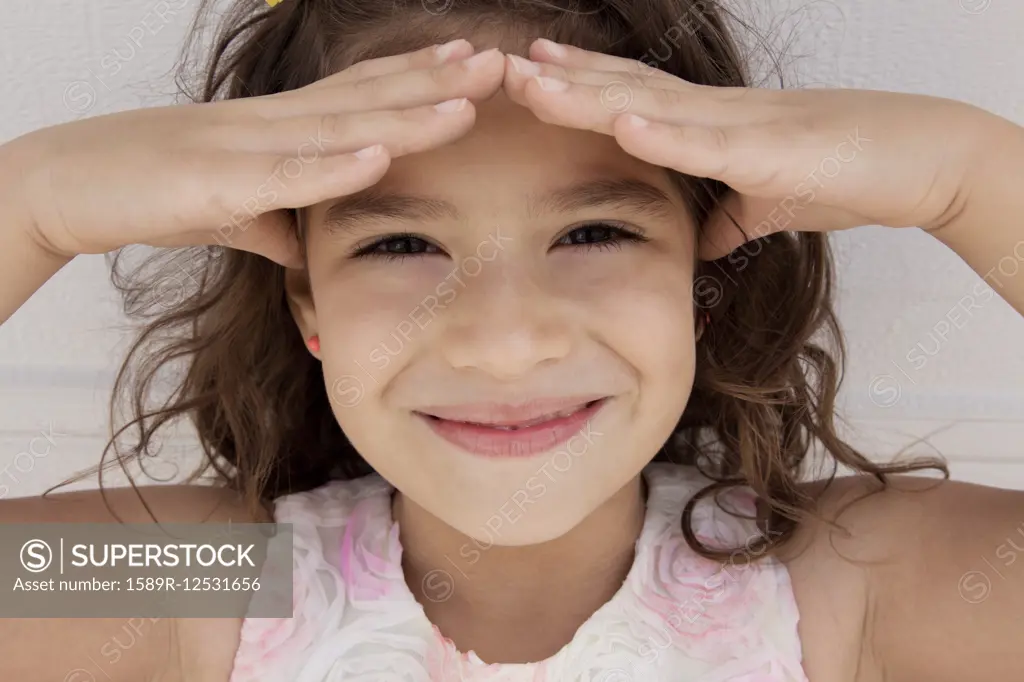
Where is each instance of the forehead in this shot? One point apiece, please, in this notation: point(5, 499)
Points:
point(512, 162)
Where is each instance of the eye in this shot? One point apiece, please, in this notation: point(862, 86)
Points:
point(601, 235)
point(396, 246)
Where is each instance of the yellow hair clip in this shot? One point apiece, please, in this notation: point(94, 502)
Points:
point(273, 3)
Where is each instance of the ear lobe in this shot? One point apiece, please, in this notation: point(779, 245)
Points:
point(300, 301)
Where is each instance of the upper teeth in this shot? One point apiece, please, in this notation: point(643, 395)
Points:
point(533, 422)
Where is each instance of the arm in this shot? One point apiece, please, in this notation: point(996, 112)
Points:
point(988, 231)
point(184, 650)
point(929, 585)
point(808, 160)
point(169, 177)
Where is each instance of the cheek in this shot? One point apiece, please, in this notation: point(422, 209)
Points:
point(642, 306)
point(372, 321)
point(371, 314)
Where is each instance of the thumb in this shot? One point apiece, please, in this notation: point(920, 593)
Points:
point(272, 235)
point(740, 218)
point(275, 236)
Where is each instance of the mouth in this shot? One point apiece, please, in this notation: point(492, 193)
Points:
point(509, 431)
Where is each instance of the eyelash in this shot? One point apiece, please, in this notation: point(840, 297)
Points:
point(618, 233)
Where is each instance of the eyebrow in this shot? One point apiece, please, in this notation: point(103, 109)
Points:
point(628, 194)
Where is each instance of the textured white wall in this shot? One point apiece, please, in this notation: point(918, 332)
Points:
point(963, 390)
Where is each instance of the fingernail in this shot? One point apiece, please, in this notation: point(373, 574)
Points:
point(638, 121)
point(553, 48)
point(369, 152)
point(525, 66)
point(445, 51)
point(551, 84)
point(451, 105)
point(478, 59)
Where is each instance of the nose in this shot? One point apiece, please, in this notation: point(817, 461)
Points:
point(504, 322)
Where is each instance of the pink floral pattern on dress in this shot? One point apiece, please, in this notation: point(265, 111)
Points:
point(677, 616)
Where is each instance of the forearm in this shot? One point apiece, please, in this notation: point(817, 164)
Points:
point(989, 232)
point(24, 264)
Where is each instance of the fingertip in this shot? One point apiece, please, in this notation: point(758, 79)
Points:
point(548, 50)
point(636, 138)
point(371, 162)
point(481, 61)
point(345, 174)
point(513, 84)
point(457, 117)
point(373, 159)
point(534, 92)
point(628, 124)
point(454, 50)
point(370, 153)
point(511, 74)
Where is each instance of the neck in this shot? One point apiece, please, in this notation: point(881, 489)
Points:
point(492, 604)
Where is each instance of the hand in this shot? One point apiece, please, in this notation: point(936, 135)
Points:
point(222, 172)
point(802, 160)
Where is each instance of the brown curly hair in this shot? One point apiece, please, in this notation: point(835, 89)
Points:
point(768, 365)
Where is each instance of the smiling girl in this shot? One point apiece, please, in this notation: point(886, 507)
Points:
point(476, 311)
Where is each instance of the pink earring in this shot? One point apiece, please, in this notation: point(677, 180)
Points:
point(314, 343)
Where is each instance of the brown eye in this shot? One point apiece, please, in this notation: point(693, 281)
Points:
point(590, 234)
point(600, 235)
point(397, 246)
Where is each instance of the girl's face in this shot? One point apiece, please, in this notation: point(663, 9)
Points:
point(515, 276)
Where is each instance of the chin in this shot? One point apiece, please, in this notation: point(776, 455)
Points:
point(552, 526)
point(513, 519)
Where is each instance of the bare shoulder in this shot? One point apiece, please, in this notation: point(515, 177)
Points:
point(182, 650)
point(894, 582)
point(167, 503)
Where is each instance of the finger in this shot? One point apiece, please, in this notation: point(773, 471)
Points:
point(596, 104)
point(326, 177)
point(751, 159)
point(653, 81)
point(402, 132)
point(273, 235)
point(548, 52)
point(476, 78)
point(427, 58)
point(544, 50)
point(740, 218)
point(268, 183)
point(592, 76)
point(732, 223)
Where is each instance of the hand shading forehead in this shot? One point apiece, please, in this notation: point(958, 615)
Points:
point(512, 161)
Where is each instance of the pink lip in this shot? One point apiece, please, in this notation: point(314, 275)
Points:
point(486, 440)
point(498, 414)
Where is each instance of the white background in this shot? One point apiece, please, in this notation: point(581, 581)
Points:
point(62, 60)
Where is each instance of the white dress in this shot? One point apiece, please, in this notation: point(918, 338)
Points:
point(677, 616)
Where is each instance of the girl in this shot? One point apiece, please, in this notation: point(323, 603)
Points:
point(477, 312)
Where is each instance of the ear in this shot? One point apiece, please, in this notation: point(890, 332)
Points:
point(300, 303)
